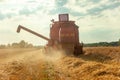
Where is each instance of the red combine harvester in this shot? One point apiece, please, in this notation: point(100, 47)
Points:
point(64, 35)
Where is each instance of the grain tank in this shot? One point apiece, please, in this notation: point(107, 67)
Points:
point(64, 34)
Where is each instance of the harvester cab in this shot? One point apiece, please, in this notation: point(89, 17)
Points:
point(64, 35)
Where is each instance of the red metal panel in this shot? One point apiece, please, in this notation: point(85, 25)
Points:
point(54, 32)
point(67, 33)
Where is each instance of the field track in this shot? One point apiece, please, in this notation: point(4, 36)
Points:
point(101, 63)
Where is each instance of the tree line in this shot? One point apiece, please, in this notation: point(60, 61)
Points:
point(113, 43)
point(21, 44)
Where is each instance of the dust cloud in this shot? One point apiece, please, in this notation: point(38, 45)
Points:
point(36, 56)
point(53, 55)
point(29, 55)
point(18, 64)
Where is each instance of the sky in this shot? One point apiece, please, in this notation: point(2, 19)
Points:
point(98, 20)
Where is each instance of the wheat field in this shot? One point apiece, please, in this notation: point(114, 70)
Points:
point(97, 63)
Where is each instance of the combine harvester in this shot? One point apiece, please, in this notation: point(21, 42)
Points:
point(64, 35)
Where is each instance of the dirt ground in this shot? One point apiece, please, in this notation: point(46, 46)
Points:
point(98, 63)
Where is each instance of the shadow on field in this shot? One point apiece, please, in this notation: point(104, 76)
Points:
point(96, 57)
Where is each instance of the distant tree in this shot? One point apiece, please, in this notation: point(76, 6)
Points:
point(2, 46)
point(29, 46)
point(103, 44)
point(119, 42)
point(15, 45)
point(115, 43)
point(22, 44)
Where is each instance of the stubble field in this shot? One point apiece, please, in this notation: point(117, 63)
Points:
point(98, 63)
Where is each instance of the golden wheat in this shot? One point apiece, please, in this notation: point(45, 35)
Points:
point(98, 63)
